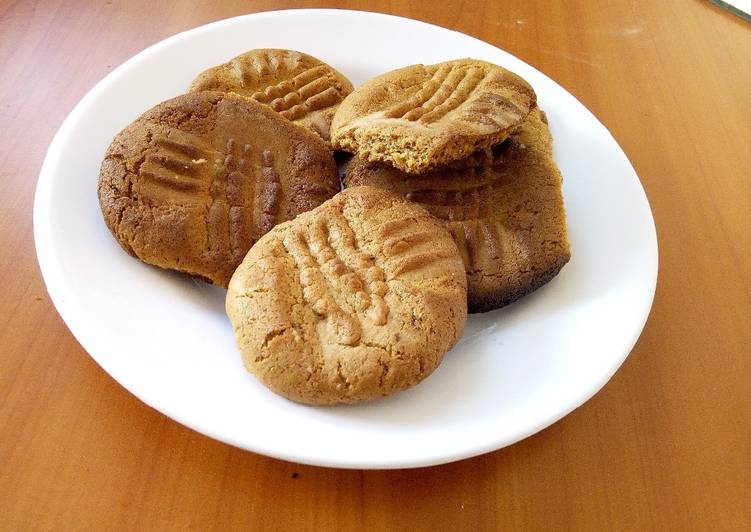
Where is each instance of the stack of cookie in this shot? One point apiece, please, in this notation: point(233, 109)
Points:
point(465, 140)
point(452, 200)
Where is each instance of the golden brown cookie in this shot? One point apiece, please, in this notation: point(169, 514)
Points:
point(354, 300)
point(421, 117)
point(195, 181)
point(298, 86)
point(503, 207)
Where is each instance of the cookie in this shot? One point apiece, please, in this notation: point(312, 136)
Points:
point(298, 86)
point(196, 180)
point(421, 117)
point(503, 206)
point(354, 300)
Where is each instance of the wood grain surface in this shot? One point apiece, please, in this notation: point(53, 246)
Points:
point(666, 445)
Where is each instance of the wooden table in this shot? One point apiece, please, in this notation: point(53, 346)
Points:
point(665, 445)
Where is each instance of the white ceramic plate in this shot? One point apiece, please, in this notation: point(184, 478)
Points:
point(165, 337)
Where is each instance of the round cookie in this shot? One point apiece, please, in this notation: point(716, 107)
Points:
point(503, 207)
point(298, 86)
point(354, 300)
point(196, 180)
point(421, 117)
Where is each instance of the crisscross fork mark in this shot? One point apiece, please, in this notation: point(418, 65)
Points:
point(446, 90)
point(176, 166)
point(456, 204)
point(364, 280)
point(402, 246)
point(426, 92)
point(493, 110)
point(469, 82)
point(317, 289)
point(229, 215)
point(249, 69)
point(309, 91)
point(271, 190)
point(479, 241)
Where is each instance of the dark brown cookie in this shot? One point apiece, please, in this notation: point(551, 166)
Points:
point(298, 86)
point(195, 181)
point(503, 207)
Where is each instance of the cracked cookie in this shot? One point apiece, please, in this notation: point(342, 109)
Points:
point(196, 180)
point(300, 87)
point(354, 300)
point(421, 117)
point(503, 207)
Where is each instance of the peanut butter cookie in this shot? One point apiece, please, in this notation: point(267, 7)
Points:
point(354, 300)
point(195, 181)
point(421, 117)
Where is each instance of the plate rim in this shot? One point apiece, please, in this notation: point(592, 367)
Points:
point(54, 280)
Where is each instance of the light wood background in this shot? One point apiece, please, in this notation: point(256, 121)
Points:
point(666, 445)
